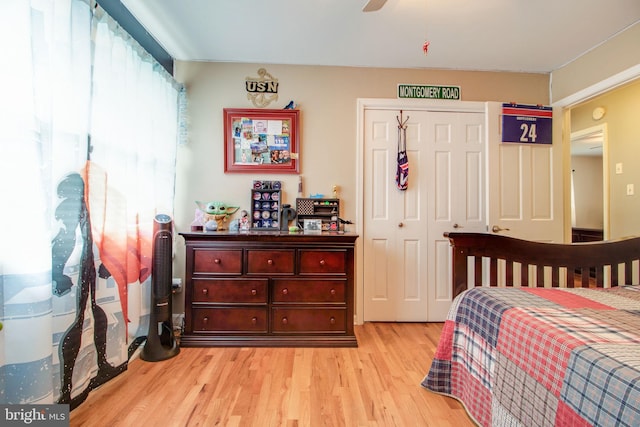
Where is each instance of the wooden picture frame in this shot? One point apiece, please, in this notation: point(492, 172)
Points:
point(261, 141)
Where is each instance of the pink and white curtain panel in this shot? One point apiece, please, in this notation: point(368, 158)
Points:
point(88, 137)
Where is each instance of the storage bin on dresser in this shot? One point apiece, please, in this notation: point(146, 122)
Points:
point(269, 289)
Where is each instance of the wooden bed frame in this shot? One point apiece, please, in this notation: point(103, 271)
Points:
point(493, 260)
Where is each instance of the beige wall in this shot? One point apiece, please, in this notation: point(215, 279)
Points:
point(327, 99)
point(618, 54)
point(622, 106)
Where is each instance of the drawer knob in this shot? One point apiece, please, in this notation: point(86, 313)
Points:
point(285, 291)
point(254, 292)
point(217, 261)
point(285, 320)
point(205, 319)
point(205, 291)
point(254, 320)
point(270, 261)
point(322, 262)
point(332, 292)
point(332, 320)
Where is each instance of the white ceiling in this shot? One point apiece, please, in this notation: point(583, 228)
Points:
point(491, 35)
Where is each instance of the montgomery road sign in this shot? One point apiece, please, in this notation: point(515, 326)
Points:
point(428, 91)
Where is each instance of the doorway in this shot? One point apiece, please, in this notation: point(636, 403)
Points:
point(589, 184)
point(563, 109)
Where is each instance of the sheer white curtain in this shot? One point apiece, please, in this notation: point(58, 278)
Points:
point(134, 129)
point(88, 130)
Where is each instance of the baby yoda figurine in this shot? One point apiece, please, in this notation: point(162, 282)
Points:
point(216, 211)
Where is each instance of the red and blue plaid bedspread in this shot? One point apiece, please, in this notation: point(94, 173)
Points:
point(542, 357)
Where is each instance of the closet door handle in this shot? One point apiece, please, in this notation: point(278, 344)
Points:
point(497, 229)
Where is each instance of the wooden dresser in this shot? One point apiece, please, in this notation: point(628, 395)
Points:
point(269, 288)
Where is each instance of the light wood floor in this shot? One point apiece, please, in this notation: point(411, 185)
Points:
point(375, 384)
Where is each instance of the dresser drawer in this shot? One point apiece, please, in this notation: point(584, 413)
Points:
point(309, 319)
point(230, 290)
point(308, 290)
point(223, 319)
point(322, 262)
point(270, 261)
point(211, 261)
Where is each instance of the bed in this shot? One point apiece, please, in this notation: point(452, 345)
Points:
point(542, 334)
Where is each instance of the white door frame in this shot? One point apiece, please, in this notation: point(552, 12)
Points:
point(562, 127)
point(388, 104)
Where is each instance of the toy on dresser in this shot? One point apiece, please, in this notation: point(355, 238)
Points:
point(213, 216)
point(242, 223)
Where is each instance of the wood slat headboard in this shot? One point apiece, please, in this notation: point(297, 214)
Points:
point(482, 259)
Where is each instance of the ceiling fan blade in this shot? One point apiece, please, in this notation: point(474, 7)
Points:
point(373, 5)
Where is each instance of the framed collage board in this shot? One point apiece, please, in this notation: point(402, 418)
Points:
point(261, 140)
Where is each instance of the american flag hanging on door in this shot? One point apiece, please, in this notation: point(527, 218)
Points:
point(402, 171)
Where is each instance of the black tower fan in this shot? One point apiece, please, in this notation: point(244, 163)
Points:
point(160, 343)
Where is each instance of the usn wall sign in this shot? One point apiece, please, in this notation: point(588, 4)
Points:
point(262, 90)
